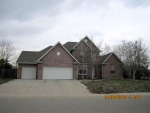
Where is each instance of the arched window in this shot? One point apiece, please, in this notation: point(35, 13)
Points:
point(112, 69)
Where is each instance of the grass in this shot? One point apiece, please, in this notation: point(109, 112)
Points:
point(2, 81)
point(118, 86)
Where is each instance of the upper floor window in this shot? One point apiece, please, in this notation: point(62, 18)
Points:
point(112, 69)
point(93, 56)
point(82, 69)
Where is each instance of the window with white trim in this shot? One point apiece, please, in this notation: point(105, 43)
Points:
point(112, 69)
point(82, 69)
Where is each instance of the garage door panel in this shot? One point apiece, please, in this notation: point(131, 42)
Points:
point(57, 73)
point(28, 73)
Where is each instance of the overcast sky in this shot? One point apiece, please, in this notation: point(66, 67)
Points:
point(35, 24)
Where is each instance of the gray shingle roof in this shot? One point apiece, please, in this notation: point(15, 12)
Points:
point(104, 57)
point(69, 45)
point(32, 56)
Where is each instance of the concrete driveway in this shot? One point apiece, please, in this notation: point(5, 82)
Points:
point(18, 88)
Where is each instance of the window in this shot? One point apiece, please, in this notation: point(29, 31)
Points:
point(85, 40)
point(112, 69)
point(58, 53)
point(93, 56)
point(82, 69)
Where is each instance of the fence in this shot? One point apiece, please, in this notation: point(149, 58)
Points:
point(8, 73)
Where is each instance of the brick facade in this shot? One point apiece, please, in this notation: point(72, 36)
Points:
point(82, 46)
point(118, 69)
point(75, 72)
point(63, 60)
point(51, 59)
point(39, 71)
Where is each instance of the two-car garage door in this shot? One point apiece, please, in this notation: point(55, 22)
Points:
point(48, 73)
point(57, 73)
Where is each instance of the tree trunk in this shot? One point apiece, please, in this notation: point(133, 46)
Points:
point(93, 72)
point(130, 74)
point(134, 75)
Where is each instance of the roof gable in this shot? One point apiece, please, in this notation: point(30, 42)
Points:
point(83, 39)
point(86, 37)
point(53, 48)
point(104, 58)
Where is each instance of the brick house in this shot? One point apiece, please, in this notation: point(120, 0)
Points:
point(73, 60)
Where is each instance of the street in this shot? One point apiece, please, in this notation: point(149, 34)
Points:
point(66, 96)
point(75, 104)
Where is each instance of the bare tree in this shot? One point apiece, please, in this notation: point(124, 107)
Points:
point(14, 59)
point(140, 56)
point(94, 55)
point(87, 54)
point(6, 50)
point(134, 54)
point(81, 54)
point(106, 49)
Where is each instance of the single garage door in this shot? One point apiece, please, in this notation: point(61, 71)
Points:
point(28, 73)
point(57, 73)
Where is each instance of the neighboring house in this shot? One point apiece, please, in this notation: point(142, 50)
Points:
point(73, 60)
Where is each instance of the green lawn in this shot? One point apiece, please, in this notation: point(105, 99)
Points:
point(118, 86)
point(5, 80)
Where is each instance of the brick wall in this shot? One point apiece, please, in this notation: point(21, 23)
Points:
point(75, 71)
point(87, 59)
point(63, 60)
point(39, 71)
point(118, 69)
point(52, 59)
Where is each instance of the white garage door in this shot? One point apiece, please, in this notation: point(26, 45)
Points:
point(28, 73)
point(57, 73)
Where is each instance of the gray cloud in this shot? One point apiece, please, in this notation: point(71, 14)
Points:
point(35, 24)
point(137, 3)
point(23, 10)
point(26, 9)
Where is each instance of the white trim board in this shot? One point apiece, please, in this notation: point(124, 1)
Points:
point(92, 42)
point(26, 63)
point(81, 41)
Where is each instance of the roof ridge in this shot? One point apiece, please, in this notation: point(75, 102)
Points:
point(45, 48)
point(69, 42)
point(107, 54)
point(30, 51)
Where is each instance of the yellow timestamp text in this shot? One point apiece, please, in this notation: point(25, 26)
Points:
point(122, 97)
